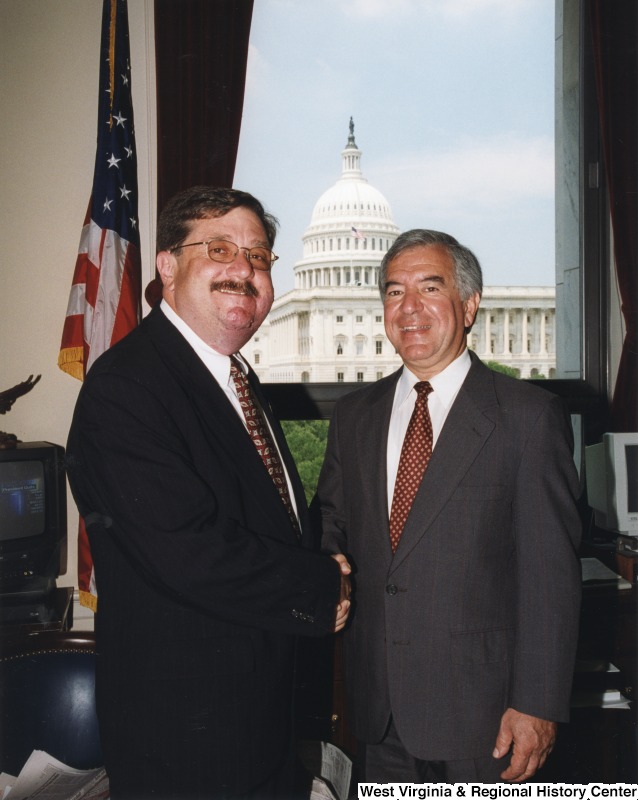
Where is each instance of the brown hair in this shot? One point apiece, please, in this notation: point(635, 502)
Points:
point(200, 202)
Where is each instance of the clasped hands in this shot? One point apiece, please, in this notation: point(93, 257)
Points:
point(343, 609)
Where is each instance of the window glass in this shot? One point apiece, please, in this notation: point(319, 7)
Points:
point(307, 440)
point(473, 155)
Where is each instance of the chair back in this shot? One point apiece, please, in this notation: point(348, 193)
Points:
point(47, 699)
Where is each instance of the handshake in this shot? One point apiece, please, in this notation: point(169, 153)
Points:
point(343, 608)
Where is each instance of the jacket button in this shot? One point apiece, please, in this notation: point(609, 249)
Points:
point(391, 589)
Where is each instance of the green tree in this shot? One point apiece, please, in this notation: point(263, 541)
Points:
point(511, 371)
point(307, 440)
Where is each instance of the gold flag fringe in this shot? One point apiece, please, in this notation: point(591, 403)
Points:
point(70, 361)
point(88, 600)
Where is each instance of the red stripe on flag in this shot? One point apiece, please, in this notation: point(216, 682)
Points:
point(126, 317)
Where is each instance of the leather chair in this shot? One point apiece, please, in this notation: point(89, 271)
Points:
point(47, 699)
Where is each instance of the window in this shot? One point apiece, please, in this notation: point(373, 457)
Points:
point(257, 357)
point(339, 377)
point(379, 375)
point(378, 347)
point(359, 377)
point(339, 317)
point(579, 221)
point(359, 318)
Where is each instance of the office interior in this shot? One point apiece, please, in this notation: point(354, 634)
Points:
point(48, 150)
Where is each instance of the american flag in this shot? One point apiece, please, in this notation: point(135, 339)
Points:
point(357, 234)
point(105, 299)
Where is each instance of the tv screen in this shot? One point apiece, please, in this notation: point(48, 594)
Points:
point(22, 504)
point(33, 534)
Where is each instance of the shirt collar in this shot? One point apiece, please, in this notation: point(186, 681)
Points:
point(445, 384)
point(217, 363)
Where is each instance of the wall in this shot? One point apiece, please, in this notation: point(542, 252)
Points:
point(49, 57)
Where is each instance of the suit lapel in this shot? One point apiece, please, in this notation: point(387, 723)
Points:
point(464, 434)
point(219, 419)
point(371, 443)
point(287, 458)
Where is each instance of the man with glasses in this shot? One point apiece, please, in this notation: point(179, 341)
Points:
point(198, 525)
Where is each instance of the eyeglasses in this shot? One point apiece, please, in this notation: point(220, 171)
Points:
point(220, 250)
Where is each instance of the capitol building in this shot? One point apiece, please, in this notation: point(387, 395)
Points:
point(329, 328)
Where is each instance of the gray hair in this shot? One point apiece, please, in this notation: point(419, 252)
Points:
point(468, 276)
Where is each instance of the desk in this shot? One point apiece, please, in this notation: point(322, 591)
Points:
point(54, 612)
point(600, 744)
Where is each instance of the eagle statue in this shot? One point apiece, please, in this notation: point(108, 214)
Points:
point(7, 399)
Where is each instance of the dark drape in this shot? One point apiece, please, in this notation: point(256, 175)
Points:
point(201, 49)
point(615, 37)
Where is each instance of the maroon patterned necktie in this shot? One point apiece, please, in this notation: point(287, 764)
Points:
point(415, 454)
point(261, 436)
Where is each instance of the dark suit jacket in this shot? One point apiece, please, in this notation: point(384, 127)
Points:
point(202, 583)
point(478, 609)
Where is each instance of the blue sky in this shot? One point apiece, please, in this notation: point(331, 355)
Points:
point(453, 105)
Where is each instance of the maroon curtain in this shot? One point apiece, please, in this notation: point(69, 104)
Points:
point(201, 49)
point(615, 37)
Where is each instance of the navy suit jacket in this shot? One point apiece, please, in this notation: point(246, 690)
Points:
point(202, 582)
point(478, 608)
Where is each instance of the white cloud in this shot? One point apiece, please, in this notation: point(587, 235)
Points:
point(485, 176)
point(258, 71)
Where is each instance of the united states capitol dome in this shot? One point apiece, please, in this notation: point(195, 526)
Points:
point(351, 219)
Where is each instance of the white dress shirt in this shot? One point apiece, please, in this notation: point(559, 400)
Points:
point(445, 387)
point(219, 367)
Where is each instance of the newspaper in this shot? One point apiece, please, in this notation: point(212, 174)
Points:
point(45, 778)
point(331, 768)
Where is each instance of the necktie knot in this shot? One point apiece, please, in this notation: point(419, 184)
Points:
point(423, 389)
point(237, 373)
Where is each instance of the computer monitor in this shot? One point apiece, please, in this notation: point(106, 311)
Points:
point(33, 531)
point(611, 470)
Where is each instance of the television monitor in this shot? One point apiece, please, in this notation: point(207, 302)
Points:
point(33, 532)
point(611, 469)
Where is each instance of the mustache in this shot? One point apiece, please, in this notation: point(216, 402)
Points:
point(245, 287)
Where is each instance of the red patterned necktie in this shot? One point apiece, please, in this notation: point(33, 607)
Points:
point(261, 436)
point(415, 454)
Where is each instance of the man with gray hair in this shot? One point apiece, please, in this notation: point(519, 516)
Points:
point(451, 491)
